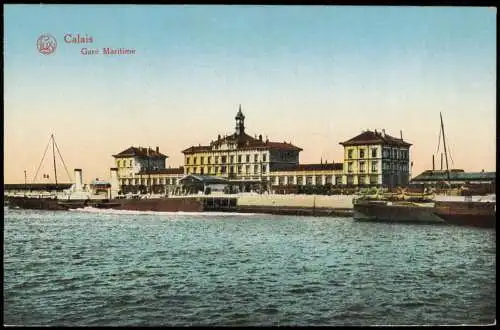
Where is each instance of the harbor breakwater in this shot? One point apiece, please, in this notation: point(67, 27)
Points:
point(304, 205)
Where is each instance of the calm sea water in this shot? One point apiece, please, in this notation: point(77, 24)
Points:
point(98, 268)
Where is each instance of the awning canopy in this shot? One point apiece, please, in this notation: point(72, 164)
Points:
point(203, 179)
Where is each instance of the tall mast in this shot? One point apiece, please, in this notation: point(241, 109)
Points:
point(445, 152)
point(149, 170)
point(54, 156)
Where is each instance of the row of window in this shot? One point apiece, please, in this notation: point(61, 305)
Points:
point(146, 181)
point(386, 166)
point(130, 163)
point(350, 153)
point(395, 153)
point(123, 163)
point(386, 153)
point(372, 179)
point(276, 180)
point(362, 166)
point(225, 169)
point(309, 179)
point(223, 159)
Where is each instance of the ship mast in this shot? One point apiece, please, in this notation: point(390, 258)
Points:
point(54, 148)
point(54, 156)
point(149, 171)
point(445, 152)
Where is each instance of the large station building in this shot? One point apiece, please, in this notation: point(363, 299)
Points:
point(252, 163)
point(249, 162)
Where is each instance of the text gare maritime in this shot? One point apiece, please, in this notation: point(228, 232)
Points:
point(107, 51)
point(85, 39)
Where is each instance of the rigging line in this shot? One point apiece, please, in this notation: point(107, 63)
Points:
point(439, 141)
point(44, 153)
point(449, 151)
point(59, 152)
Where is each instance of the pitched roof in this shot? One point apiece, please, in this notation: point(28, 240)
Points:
point(243, 142)
point(455, 175)
point(178, 170)
point(370, 137)
point(140, 152)
point(315, 167)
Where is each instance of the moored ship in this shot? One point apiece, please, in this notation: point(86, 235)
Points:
point(60, 197)
point(480, 213)
point(465, 212)
point(395, 211)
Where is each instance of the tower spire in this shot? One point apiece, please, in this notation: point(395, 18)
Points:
point(240, 122)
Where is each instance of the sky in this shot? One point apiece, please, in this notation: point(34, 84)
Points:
point(312, 75)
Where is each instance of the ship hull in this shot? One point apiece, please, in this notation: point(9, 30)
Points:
point(401, 213)
point(155, 204)
point(474, 214)
point(53, 204)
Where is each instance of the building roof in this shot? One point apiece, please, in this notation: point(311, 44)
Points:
point(140, 152)
point(205, 179)
point(177, 170)
point(370, 137)
point(243, 142)
point(455, 175)
point(315, 167)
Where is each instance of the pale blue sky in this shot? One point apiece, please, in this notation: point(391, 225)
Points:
point(315, 75)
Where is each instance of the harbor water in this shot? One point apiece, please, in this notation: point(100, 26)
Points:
point(119, 268)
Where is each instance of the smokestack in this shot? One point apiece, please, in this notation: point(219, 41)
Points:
point(115, 186)
point(78, 179)
point(433, 167)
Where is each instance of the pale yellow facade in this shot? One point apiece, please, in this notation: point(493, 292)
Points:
point(306, 177)
point(377, 163)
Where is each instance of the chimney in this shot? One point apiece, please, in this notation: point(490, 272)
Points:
point(78, 179)
point(157, 149)
point(383, 132)
point(218, 137)
point(260, 137)
point(115, 186)
point(401, 133)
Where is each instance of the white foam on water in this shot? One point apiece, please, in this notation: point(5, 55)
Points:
point(200, 214)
